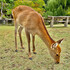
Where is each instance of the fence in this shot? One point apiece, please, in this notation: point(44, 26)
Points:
point(6, 21)
point(50, 19)
point(58, 19)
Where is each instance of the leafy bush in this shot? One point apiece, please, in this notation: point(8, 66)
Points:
point(35, 4)
point(57, 8)
point(68, 11)
point(60, 11)
point(44, 7)
point(48, 13)
point(3, 16)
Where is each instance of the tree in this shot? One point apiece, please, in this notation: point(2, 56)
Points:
point(60, 11)
point(35, 4)
point(1, 9)
point(6, 7)
point(57, 7)
point(45, 1)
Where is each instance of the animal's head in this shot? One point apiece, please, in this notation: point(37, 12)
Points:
point(55, 51)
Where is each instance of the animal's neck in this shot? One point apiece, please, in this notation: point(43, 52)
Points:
point(44, 35)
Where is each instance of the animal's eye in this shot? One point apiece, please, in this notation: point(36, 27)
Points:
point(57, 55)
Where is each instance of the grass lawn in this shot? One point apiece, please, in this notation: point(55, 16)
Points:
point(11, 60)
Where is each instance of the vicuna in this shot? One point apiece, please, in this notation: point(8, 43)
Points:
point(33, 23)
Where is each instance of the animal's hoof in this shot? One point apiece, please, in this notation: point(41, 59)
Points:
point(16, 50)
point(30, 58)
point(23, 48)
point(34, 53)
point(57, 63)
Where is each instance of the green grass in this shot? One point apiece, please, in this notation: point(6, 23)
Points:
point(11, 60)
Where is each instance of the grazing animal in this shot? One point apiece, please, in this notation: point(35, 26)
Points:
point(33, 23)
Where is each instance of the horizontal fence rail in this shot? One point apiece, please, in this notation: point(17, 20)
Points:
point(49, 19)
point(6, 21)
point(58, 19)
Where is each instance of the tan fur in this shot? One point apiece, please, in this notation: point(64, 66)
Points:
point(34, 24)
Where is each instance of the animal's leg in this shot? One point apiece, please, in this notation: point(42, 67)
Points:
point(33, 40)
point(21, 42)
point(16, 26)
point(28, 39)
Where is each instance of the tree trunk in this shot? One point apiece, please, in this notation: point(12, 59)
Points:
point(1, 9)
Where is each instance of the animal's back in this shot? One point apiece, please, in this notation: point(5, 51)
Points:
point(28, 18)
point(19, 9)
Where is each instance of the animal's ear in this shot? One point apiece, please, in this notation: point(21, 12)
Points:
point(59, 41)
point(54, 45)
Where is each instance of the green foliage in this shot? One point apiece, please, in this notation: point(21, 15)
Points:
point(9, 1)
point(68, 1)
point(45, 1)
point(51, 7)
point(48, 13)
point(57, 7)
point(2, 0)
point(3, 16)
point(35, 4)
point(60, 11)
point(9, 8)
point(63, 2)
point(44, 7)
point(68, 11)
